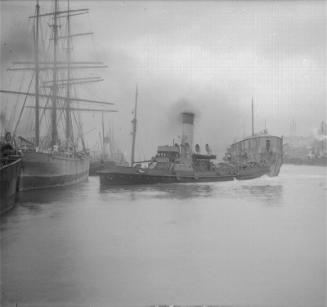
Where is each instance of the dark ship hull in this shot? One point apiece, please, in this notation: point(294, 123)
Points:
point(98, 165)
point(47, 170)
point(135, 176)
point(9, 184)
point(252, 173)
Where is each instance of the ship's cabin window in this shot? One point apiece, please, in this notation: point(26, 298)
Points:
point(267, 145)
point(170, 155)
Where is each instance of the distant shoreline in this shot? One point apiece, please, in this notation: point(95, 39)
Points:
point(297, 161)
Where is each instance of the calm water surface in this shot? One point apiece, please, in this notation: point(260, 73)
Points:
point(260, 242)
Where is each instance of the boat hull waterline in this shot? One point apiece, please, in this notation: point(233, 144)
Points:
point(132, 176)
point(138, 179)
point(9, 185)
point(45, 170)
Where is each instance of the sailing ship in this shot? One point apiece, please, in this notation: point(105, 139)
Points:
point(261, 149)
point(51, 159)
point(10, 169)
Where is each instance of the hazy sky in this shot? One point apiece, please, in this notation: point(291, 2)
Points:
point(213, 56)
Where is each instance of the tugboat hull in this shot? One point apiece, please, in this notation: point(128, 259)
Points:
point(133, 177)
point(9, 185)
point(44, 170)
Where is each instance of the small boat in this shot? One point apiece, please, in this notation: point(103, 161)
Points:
point(10, 168)
point(262, 151)
point(108, 157)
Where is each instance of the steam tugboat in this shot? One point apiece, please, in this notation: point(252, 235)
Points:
point(249, 158)
point(10, 169)
point(172, 164)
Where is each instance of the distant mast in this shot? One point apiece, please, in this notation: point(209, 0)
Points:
point(134, 122)
point(103, 138)
point(252, 118)
point(67, 106)
point(36, 49)
point(54, 131)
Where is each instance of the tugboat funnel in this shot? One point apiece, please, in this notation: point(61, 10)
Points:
point(187, 129)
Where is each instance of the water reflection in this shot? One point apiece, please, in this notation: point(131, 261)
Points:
point(270, 194)
point(52, 195)
point(37, 201)
point(267, 192)
point(162, 191)
point(32, 199)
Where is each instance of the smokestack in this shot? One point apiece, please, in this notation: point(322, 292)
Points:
point(187, 128)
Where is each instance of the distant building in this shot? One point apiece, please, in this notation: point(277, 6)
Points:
point(302, 150)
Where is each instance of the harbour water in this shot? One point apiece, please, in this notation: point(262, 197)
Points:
point(260, 242)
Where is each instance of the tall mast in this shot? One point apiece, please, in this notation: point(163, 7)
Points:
point(67, 103)
point(103, 141)
point(54, 131)
point(134, 121)
point(36, 50)
point(322, 136)
point(252, 119)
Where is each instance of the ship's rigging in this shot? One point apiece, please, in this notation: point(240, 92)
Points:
point(134, 126)
point(54, 78)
